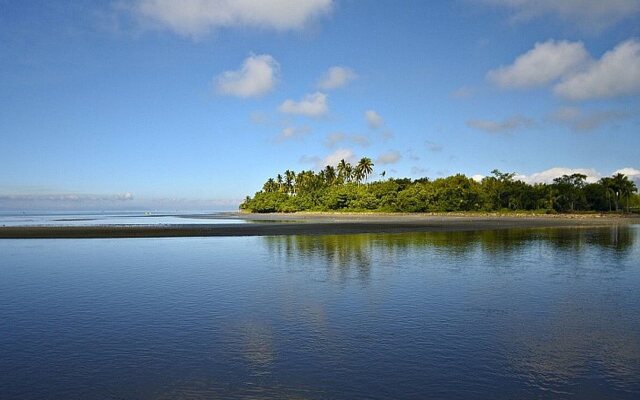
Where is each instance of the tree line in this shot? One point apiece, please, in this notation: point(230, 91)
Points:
point(345, 187)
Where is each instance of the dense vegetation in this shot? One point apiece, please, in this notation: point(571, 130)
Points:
point(345, 188)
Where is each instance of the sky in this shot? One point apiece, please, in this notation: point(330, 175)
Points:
point(193, 104)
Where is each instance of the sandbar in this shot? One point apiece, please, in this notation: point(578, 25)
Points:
point(321, 224)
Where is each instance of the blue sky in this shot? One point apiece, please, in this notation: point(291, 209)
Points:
point(193, 104)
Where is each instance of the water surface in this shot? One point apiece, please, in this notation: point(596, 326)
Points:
point(497, 314)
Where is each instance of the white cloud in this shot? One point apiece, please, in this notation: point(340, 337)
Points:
point(256, 77)
point(336, 77)
point(593, 15)
point(545, 63)
point(509, 125)
point(478, 177)
point(312, 105)
point(334, 158)
point(617, 73)
point(580, 121)
point(547, 176)
point(374, 120)
point(631, 173)
point(390, 157)
point(196, 18)
point(293, 132)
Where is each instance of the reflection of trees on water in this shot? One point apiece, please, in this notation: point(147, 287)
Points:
point(346, 254)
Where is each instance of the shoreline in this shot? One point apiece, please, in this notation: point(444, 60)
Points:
point(322, 224)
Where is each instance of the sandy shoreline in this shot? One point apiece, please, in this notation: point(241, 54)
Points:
point(319, 224)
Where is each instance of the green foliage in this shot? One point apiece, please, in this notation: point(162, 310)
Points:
point(341, 188)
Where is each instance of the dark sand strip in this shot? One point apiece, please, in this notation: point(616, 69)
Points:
point(321, 225)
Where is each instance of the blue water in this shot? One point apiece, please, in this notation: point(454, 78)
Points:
point(498, 314)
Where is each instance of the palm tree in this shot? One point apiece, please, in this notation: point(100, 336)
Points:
point(622, 187)
point(270, 186)
point(329, 174)
point(364, 168)
point(345, 171)
point(279, 181)
point(289, 179)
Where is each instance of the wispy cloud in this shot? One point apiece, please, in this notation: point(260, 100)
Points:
point(463, 92)
point(197, 18)
point(509, 125)
point(335, 138)
point(373, 119)
point(389, 157)
point(293, 132)
point(257, 76)
point(588, 15)
point(336, 77)
point(433, 146)
point(581, 121)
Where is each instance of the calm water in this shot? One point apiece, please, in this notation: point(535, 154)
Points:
point(505, 314)
point(112, 218)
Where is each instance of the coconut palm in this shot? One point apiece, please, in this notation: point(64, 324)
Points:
point(280, 183)
point(289, 179)
point(345, 171)
point(270, 186)
point(364, 168)
point(329, 175)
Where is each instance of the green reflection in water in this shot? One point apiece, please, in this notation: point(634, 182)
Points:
point(348, 252)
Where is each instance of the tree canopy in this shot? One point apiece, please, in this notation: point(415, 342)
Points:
point(345, 188)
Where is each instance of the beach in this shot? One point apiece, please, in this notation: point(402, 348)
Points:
point(321, 224)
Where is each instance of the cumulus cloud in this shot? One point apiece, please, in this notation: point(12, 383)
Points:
point(573, 72)
point(390, 157)
point(509, 125)
point(617, 73)
point(336, 77)
point(312, 105)
point(374, 120)
point(196, 18)
point(593, 15)
point(581, 121)
point(478, 177)
point(293, 132)
point(257, 76)
point(545, 63)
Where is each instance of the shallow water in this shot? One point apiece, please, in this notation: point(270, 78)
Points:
point(497, 314)
point(113, 218)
